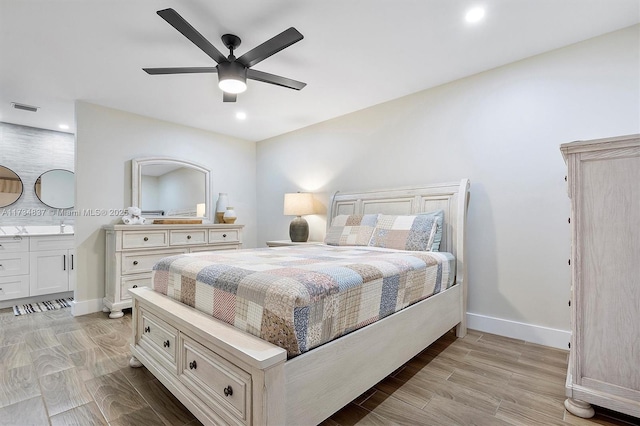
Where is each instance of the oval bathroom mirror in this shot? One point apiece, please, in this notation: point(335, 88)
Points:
point(55, 188)
point(10, 186)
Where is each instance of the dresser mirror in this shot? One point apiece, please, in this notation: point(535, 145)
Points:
point(55, 188)
point(167, 187)
point(10, 186)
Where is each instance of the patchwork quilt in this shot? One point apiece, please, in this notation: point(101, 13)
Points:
point(299, 297)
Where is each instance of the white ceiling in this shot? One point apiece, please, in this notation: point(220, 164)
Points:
point(355, 54)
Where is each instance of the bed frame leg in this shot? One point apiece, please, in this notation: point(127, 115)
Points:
point(134, 363)
point(461, 329)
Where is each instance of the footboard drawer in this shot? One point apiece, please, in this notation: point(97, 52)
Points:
point(216, 381)
point(159, 337)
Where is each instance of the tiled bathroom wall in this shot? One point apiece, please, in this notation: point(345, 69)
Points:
point(29, 152)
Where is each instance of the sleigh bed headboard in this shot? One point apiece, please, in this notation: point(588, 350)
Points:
point(453, 198)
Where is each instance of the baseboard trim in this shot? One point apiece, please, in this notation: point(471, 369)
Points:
point(85, 307)
point(518, 330)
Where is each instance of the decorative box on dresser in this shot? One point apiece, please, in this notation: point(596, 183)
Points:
point(132, 250)
point(604, 187)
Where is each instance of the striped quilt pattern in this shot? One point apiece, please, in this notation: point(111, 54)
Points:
point(300, 297)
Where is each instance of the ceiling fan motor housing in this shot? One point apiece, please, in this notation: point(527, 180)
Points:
point(232, 77)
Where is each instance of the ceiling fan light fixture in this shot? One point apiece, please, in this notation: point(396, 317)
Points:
point(232, 77)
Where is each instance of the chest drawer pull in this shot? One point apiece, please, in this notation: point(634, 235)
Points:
point(193, 365)
point(188, 237)
point(135, 286)
point(146, 238)
point(147, 329)
point(224, 235)
point(166, 343)
point(228, 391)
point(135, 262)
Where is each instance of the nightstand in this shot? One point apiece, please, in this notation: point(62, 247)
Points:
point(281, 243)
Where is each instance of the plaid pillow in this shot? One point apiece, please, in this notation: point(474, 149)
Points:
point(410, 232)
point(351, 230)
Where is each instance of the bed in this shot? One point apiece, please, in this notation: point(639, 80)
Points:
point(229, 375)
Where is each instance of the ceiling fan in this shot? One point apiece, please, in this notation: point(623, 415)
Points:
point(232, 72)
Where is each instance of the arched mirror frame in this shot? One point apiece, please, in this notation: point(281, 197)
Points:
point(18, 178)
point(136, 179)
point(38, 191)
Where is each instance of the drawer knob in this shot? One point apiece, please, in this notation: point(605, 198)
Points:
point(228, 391)
point(188, 237)
point(146, 238)
point(135, 262)
point(147, 329)
point(166, 343)
point(193, 365)
point(224, 235)
point(135, 286)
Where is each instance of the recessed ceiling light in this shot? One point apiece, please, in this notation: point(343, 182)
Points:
point(474, 14)
point(241, 115)
point(63, 126)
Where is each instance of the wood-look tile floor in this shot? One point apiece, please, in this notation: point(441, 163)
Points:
point(58, 370)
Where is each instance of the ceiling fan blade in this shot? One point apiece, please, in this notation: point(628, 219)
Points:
point(270, 47)
point(185, 28)
point(274, 79)
point(229, 97)
point(183, 70)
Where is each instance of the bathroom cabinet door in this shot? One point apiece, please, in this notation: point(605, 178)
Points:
point(49, 271)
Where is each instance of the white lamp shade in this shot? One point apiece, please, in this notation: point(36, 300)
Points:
point(298, 204)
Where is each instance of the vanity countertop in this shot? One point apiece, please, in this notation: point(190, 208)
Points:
point(33, 230)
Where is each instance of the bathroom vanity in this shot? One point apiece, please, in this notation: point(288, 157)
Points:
point(36, 261)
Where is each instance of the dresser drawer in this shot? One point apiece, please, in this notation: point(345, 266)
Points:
point(14, 287)
point(216, 381)
point(223, 236)
point(135, 262)
point(13, 244)
point(159, 337)
point(188, 237)
point(143, 239)
point(140, 280)
point(14, 264)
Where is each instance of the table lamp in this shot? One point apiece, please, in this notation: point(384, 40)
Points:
point(298, 204)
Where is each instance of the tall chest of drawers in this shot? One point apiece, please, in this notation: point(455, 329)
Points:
point(132, 250)
point(604, 186)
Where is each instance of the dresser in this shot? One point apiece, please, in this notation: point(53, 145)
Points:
point(604, 187)
point(132, 250)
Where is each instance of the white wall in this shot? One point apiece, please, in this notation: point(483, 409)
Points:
point(107, 140)
point(502, 129)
